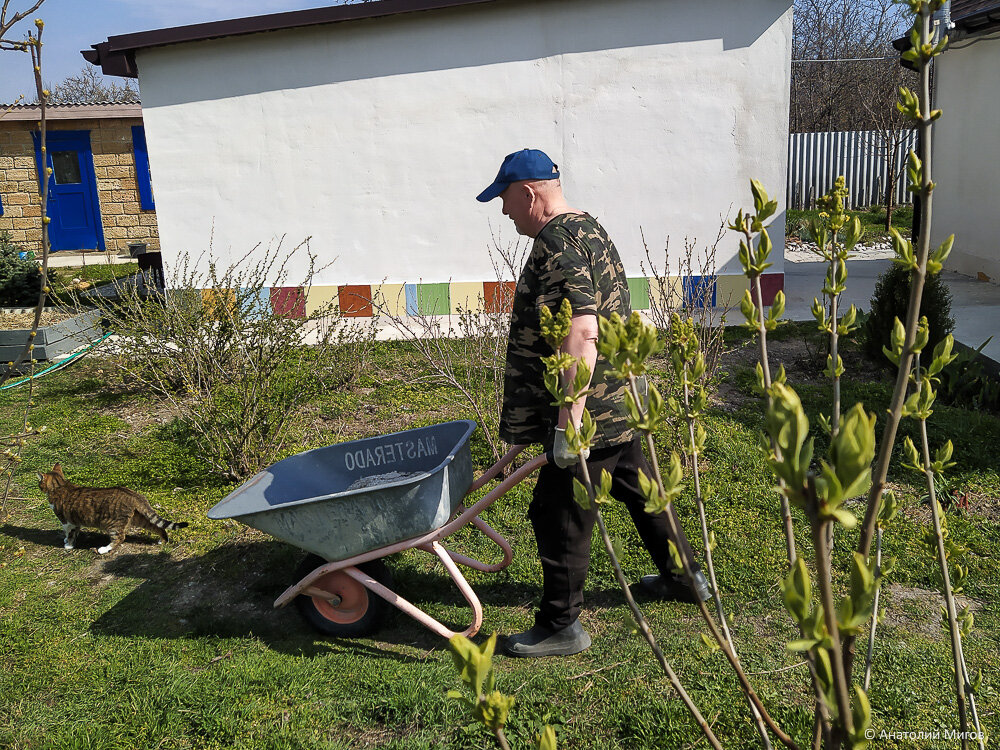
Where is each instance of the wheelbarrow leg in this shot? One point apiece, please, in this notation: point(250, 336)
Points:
point(415, 612)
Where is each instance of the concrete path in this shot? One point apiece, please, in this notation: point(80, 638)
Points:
point(975, 305)
point(65, 258)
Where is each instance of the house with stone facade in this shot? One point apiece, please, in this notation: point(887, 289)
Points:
point(371, 127)
point(100, 193)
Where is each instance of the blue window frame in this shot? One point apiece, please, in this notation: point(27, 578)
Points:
point(142, 178)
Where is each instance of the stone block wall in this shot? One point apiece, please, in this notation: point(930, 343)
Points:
point(114, 166)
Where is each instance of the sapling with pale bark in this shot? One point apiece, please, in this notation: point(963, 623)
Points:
point(820, 492)
point(14, 443)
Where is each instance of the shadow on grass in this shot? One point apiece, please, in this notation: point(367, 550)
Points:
point(229, 593)
point(53, 537)
point(226, 593)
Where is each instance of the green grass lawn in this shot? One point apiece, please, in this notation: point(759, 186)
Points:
point(93, 274)
point(179, 647)
point(872, 222)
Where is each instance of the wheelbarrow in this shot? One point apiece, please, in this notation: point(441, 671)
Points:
point(351, 504)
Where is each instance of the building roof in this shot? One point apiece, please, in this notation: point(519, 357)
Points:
point(962, 9)
point(974, 16)
point(968, 18)
point(73, 111)
point(116, 56)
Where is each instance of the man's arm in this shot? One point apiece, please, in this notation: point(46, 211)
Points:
point(581, 342)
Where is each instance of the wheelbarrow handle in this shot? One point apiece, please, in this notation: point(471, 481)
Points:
point(495, 494)
point(503, 463)
point(495, 469)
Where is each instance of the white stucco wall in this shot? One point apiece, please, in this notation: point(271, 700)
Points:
point(374, 137)
point(967, 157)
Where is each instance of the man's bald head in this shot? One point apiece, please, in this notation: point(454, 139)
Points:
point(531, 204)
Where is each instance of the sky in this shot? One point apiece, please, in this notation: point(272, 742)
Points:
point(74, 25)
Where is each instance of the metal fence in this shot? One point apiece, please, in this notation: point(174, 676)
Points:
point(815, 160)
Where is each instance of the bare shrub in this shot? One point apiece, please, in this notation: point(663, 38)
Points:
point(688, 294)
point(466, 352)
point(234, 351)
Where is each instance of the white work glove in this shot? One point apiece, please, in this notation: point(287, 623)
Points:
point(562, 455)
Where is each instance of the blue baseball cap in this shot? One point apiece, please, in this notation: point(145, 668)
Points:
point(526, 164)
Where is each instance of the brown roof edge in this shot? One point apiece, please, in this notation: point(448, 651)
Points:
point(116, 56)
point(111, 63)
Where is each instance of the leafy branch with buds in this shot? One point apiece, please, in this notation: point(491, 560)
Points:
point(487, 705)
point(627, 346)
point(820, 490)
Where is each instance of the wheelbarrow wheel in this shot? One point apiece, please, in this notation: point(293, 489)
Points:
point(350, 610)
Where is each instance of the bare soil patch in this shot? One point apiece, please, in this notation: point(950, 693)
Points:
point(14, 321)
point(914, 610)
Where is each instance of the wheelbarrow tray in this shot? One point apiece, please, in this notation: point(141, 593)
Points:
point(304, 499)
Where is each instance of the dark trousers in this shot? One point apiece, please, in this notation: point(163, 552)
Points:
point(564, 530)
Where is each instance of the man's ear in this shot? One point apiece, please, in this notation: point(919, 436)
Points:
point(530, 193)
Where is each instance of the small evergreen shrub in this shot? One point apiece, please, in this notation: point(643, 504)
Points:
point(20, 281)
point(889, 301)
point(968, 382)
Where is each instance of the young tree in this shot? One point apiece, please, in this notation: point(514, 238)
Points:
point(889, 128)
point(91, 87)
point(841, 54)
point(13, 439)
point(9, 19)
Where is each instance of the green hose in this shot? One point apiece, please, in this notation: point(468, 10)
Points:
point(57, 365)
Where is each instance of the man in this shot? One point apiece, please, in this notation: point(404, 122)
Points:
point(572, 257)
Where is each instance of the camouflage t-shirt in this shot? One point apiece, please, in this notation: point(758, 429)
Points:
point(572, 257)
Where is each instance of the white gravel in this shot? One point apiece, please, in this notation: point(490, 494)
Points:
point(799, 251)
point(376, 479)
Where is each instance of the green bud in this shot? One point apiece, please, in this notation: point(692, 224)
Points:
point(675, 557)
point(819, 313)
point(888, 507)
point(895, 353)
point(852, 451)
point(796, 591)
point(912, 455)
point(749, 310)
point(922, 335)
point(580, 494)
point(745, 260)
point(852, 234)
point(546, 740)
point(761, 203)
point(555, 328)
point(788, 427)
point(903, 248)
point(604, 491)
point(942, 356)
point(847, 323)
point(778, 306)
point(861, 712)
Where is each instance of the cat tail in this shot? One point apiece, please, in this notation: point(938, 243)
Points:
point(163, 523)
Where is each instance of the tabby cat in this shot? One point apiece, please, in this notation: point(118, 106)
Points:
point(111, 509)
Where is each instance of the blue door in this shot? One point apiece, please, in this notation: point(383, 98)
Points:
point(73, 206)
